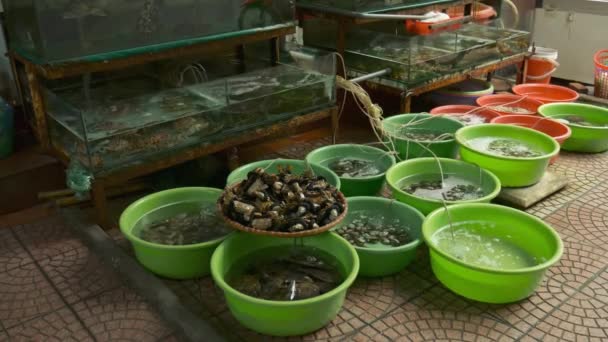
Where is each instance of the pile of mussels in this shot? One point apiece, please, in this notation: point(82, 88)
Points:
point(283, 202)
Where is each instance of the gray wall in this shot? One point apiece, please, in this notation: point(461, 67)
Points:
point(526, 14)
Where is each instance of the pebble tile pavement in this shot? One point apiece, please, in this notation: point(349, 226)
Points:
point(53, 289)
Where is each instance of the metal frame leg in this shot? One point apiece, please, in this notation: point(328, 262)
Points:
point(17, 80)
point(274, 51)
point(405, 103)
point(100, 200)
point(335, 125)
point(232, 155)
point(523, 74)
point(38, 105)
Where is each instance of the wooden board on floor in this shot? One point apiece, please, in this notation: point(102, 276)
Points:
point(528, 196)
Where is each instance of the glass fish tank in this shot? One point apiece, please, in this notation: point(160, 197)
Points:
point(414, 60)
point(509, 42)
point(369, 6)
point(268, 95)
point(110, 122)
point(55, 30)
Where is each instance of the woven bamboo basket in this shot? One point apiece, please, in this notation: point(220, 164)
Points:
point(238, 226)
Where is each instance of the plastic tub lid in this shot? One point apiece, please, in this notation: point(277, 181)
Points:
point(545, 52)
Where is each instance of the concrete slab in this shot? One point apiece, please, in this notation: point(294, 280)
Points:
point(526, 197)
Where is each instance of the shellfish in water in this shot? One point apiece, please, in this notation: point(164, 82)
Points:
point(364, 231)
point(451, 188)
point(505, 147)
point(354, 168)
point(184, 223)
point(285, 273)
point(283, 202)
point(423, 135)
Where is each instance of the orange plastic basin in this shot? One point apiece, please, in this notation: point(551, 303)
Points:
point(546, 93)
point(488, 114)
point(509, 100)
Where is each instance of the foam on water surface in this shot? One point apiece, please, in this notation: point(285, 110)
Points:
point(473, 243)
point(504, 147)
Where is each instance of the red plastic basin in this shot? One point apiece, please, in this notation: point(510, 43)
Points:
point(511, 101)
point(555, 129)
point(546, 93)
point(488, 114)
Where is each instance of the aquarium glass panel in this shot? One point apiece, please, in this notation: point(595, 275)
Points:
point(370, 6)
point(111, 121)
point(55, 30)
point(414, 60)
point(509, 42)
point(271, 94)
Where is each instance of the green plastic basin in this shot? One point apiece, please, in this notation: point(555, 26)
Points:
point(493, 285)
point(409, 149)
point(583, 139)
point(512, 171)
point(361, 186)
point(298, 167)
point(176, 262)
point(283, 318)
point(385, 260)
point(470, 172)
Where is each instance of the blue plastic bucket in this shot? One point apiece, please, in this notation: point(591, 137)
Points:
point(6, 129)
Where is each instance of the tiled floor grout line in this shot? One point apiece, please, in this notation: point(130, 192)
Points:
point(555, 308)
point(92, 295)
point(3, 329)
point(221, 326)
point(501, 320)
point(48, 279)
point(350, 335)
point(564, 204)
point(433, 285)
point(18, 266)
point(162, 339)
point(391, 310)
